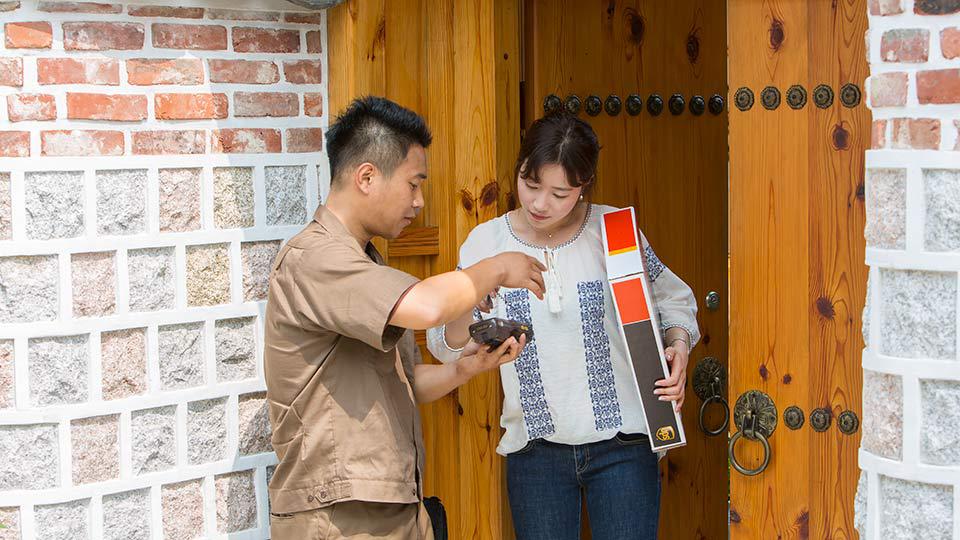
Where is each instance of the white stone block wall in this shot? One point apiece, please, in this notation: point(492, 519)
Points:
point(152, 160)
point(910, 450)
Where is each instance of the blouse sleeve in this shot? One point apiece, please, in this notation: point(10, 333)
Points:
point(674, 298)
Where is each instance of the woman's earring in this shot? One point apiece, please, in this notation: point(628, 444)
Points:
point(581, 197)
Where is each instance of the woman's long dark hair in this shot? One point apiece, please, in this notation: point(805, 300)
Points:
point(561, 139)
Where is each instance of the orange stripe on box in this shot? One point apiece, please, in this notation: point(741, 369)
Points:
point(631, 302)
point(624, 250)
point(620, 233)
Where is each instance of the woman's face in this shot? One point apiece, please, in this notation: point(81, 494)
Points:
point(546, 204)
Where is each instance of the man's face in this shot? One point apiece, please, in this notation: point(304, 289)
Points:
point(399, 198)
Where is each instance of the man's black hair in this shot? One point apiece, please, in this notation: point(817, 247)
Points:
point(375, 130)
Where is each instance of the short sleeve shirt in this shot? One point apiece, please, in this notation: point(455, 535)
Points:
point(339, 377)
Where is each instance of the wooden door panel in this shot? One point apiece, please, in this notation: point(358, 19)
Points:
point(672, 169)
point(796, 259)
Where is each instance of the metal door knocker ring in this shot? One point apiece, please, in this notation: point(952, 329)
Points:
point(726, 416)
point(755, 415)
point(708, 379)
point(766, 454)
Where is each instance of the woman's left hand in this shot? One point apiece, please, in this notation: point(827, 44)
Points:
point(674, 387)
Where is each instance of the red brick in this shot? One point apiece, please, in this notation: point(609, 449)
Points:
point(118, 108)
point(888, 90)
point(264, 40)
point(28, 35)
point(11, 72)
point(243, 71)
point(169, 142)
point(878, 136)
point(245, 141)
point(190, 106)
point(166, 11)
point(81, 143)
point(936, 7)
point(905, 45)
point(303, 18)
point(147, 71)
point(303, 71)
point(314, 45)
point(190, 36)
point(915, 134)
point(266, 104)
point(305, 140)
point(102, 36)
point(79, 7)
point(23, 107)
point(885, 7)
point(78, 71)
point(10, 6)
point(243, 15)
point(950, 43)
point(313, 104)
point(938, 86)
point(14, 143)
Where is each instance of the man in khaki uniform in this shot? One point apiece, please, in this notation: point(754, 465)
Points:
point(342, 369)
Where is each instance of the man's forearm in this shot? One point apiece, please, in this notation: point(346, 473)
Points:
point(433, 381)
point(445, 297)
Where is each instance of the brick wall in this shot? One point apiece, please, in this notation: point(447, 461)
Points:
point(910, 451)
point(152, 160)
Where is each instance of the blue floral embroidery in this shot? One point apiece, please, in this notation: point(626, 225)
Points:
point(654, 265)
point(533, 400)
point(596, 346)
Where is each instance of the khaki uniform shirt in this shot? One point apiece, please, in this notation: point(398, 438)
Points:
point(339, 378)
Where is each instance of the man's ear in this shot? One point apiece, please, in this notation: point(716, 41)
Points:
point(363, 177)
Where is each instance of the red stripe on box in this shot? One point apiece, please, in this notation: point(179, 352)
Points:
point(620, 234)
point(631, 302)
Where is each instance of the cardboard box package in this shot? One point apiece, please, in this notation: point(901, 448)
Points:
point(640, 328)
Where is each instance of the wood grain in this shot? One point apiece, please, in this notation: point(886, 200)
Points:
point(796, 229)
point(414, 242)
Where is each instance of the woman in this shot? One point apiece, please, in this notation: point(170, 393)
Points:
point(572, 418)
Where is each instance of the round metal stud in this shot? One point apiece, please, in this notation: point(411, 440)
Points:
point(793, 417)
point(770, 97)
point(634, 105)
point(655, 105)
point(796, 97)
point(676, 104)
point(612, 105)
point(593, 106)
point(848, 422)
point(712, 300)
point(572, 104)
point(820, 419)
point(823, 96)
point(551, 104)
point(744, 99)
point(715, 104)
point(697, 105)
point(850, 95)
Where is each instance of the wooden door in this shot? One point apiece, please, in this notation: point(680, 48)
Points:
point(797, 273)
point(671, 168)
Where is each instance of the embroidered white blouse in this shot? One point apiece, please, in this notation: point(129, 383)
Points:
point(572, 383)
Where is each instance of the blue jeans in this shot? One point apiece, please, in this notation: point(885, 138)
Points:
point(619, 478)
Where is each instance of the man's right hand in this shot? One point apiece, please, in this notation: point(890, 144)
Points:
point(521, 271)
